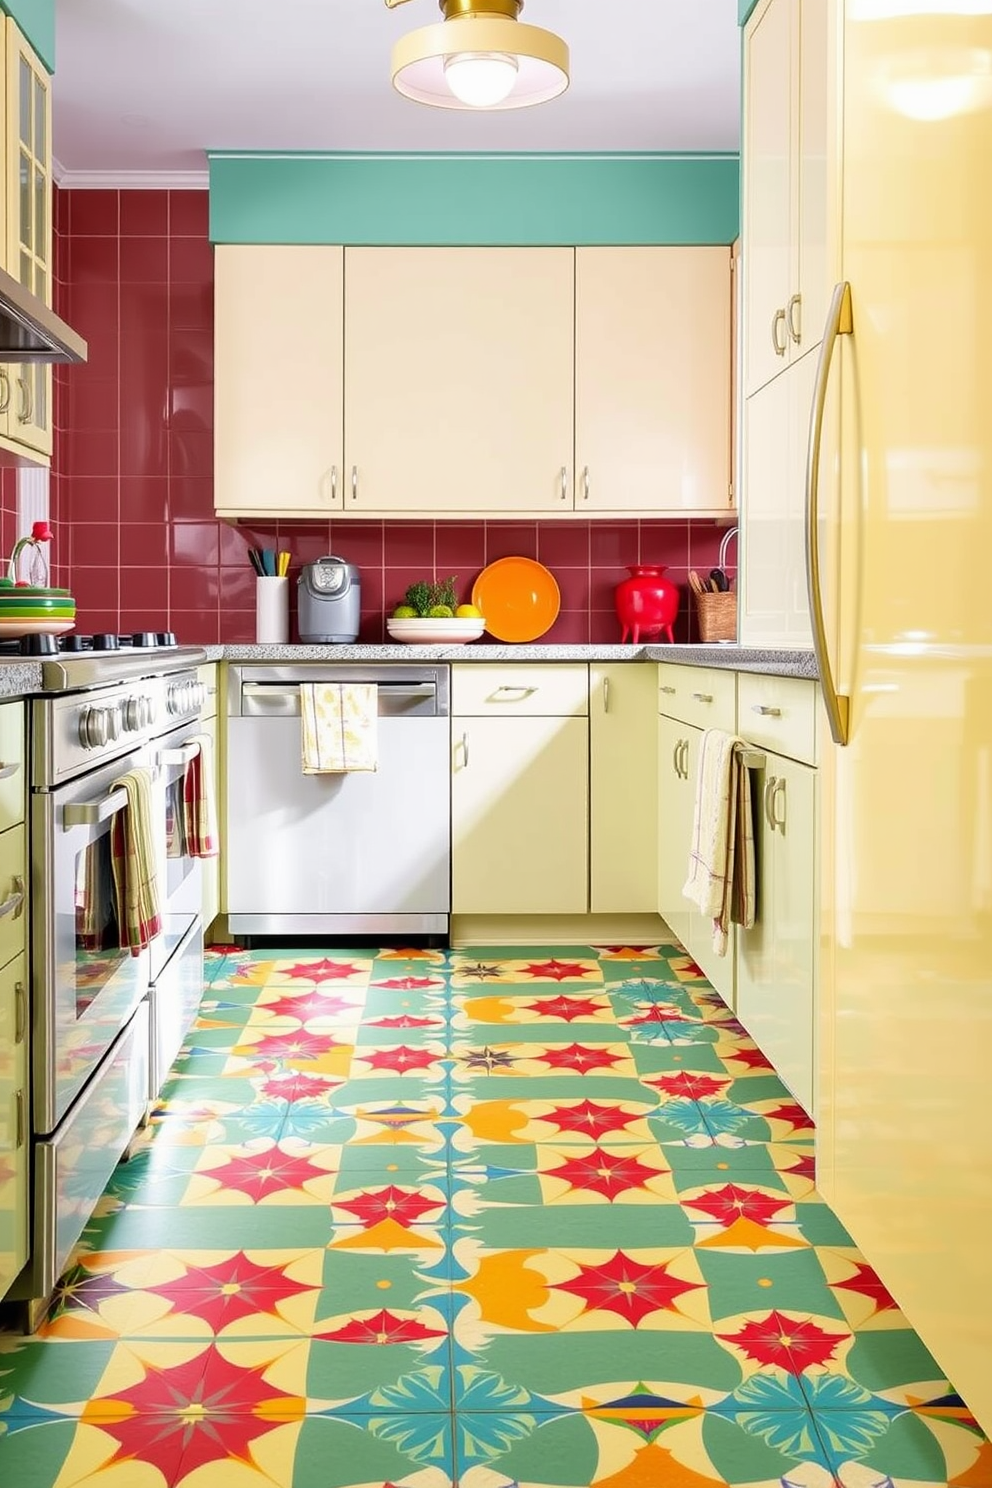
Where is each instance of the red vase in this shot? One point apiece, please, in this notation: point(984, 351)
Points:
point(647, 602)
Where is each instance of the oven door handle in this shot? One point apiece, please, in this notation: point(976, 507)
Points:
point(90, 813)
point(180, 757)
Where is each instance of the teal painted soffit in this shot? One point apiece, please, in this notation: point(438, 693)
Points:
point(744, 9)
point(36, 19)
point(459, 199)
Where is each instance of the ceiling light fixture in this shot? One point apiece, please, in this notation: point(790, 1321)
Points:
point(480, 57)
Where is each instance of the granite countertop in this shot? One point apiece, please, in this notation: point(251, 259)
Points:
point(21, 678)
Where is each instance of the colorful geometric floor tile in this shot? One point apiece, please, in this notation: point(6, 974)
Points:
point(502, 1217)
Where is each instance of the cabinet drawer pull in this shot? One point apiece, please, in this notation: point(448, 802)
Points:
point(703, 697)
point(779, 319)
point(20, 1125)
point(606, 694)
point(512, 694)
point(7, 770)
point(14, 906)
point(766, 710)
point(564, 482)
point(669, 690)
point(793, 318)
point(20, 1012)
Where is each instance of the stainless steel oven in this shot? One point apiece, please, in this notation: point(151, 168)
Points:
point(91, 998)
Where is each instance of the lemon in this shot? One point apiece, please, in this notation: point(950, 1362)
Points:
point(468, 612)
point(440, 612)
point(404, 612)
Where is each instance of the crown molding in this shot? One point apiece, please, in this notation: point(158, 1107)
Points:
point(90, 180)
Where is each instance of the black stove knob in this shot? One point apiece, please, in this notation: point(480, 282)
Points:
point(106, 642)
point(72, 643)
point(39, 645)
point(167, 638)
point(144, 638)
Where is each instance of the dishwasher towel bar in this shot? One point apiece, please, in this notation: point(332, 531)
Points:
point(274, 691)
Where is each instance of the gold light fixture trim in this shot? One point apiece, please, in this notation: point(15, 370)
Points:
point(534, 62)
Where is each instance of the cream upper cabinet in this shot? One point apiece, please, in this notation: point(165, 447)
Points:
point(519, 790)
point(784, 182)
point(459, 378)
point(772, 606)
point(624, 789)
point(279, 391)
point(653, 379)
point(776, 960)
point(26, 390)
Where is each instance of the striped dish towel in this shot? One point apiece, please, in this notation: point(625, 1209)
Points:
point(339, 727)
point(132, 856)
point(721, 856)
point(199, 801)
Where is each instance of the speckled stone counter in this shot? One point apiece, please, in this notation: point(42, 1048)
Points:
point(19, 678)
point(472, 652)
point(739, 659)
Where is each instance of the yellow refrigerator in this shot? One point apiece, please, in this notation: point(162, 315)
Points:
point(899, 536)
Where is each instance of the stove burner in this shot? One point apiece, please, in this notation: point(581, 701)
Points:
point(39, 645)
point(167, 638)
point(145, 638)
point(106, 642)
point(72, 642)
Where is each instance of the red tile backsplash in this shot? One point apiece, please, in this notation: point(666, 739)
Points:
point(132, 474)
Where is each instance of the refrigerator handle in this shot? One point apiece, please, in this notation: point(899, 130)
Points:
point(840, 322)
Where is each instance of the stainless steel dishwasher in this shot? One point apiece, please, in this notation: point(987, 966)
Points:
point(363, 853)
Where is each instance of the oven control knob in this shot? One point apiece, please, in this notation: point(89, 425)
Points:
point(94, 728)
point(132, 714)
point(147, 712)
point(115, 723)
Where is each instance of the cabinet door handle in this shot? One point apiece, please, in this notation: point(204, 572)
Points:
point(606, 694)
point(464, 751)
point(669, 690)
point(778, 793)
point(7, 770)
point(779, 319)
point(14, 906)
point(685, 759)
point(20, 1125)
point(354, 482)
point(334, 484)
point(793, 318)
point(676, 758)
point(20, 1013)
point(4, 390)
point(766, 710)
point(564, 482)
point(703, 697)
point(585, 483)
point(770, 785)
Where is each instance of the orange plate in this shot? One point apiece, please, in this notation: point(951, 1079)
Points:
point(518, 597)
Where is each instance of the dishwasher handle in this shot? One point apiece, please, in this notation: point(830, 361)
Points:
point(282, 700)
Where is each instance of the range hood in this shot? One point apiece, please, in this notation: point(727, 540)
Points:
point(30, 331)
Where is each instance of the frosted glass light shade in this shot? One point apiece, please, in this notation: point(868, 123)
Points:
point(419, 61)
point(480, 79)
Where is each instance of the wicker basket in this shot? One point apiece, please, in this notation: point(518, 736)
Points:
point(717, 616)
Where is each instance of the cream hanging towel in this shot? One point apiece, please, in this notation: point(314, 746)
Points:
point(721, 856)
point(339, 727)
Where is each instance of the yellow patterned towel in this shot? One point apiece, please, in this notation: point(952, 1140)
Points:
point(339, 726)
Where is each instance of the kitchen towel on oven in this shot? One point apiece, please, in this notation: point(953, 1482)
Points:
point(132, 855)
point(339, 727)
point(199, 800)
point(721, 855)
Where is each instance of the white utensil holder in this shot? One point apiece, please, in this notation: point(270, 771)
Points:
point(271, 610)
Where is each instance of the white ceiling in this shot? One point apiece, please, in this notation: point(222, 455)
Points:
point(150, 85)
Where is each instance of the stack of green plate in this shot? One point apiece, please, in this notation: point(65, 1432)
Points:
point(26, 609)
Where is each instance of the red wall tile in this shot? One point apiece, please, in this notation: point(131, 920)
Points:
point(132, 475)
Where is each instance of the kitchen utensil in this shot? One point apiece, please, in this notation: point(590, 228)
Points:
point(695, 582)
point(720, 579)
point(329, 606)
point(519, 598)
point(439, 632)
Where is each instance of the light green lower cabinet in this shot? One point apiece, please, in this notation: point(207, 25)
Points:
point(520, 816)
point(623, 759)
point(678, 756)
point(13, 1121)
point(776, 963)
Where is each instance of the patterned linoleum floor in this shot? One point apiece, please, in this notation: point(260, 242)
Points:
point(502, 1218)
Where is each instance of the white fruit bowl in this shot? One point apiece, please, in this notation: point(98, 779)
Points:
point(440, 632)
